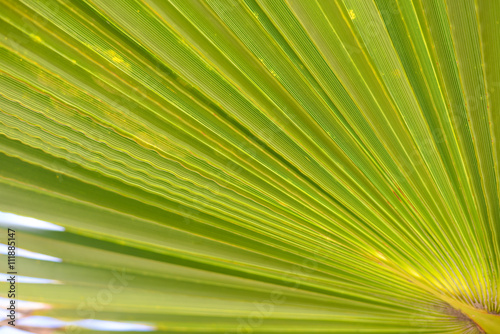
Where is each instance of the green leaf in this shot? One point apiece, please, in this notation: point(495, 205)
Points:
point(256, 166)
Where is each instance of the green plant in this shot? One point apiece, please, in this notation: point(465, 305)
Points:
point(257, 166)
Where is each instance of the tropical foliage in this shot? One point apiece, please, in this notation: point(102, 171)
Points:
point(256, 166)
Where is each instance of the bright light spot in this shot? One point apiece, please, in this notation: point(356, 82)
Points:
point(102, 325)
point(97, 325)
point(92, 324)
point(381, 256)
point(12, 330)
point(28, 254)
point(26, 279)
point(23, 305)
point(41, 322)
point(414, 273)
point(10, 219)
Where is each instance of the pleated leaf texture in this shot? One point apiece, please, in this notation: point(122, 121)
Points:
point(255, 166)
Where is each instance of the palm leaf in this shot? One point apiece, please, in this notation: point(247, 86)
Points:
point(267, 166)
